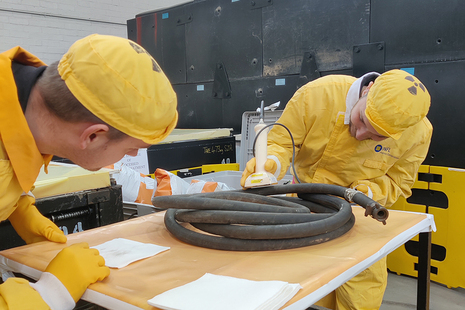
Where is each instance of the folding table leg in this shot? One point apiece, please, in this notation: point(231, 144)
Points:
point(424, 266)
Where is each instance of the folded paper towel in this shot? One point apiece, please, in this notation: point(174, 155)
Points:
point(119, 252)
point(213, 292)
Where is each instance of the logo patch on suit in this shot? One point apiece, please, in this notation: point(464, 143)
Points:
point(385, 150)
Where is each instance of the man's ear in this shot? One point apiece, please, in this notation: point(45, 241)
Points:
point(93, 133)
point(367, 88)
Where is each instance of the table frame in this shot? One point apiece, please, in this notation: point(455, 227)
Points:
point(423, 228)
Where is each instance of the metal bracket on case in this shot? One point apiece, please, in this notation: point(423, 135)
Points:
point(308, 70)
point(183, 19)
point(257, 4)
point(97, 196)
point(368, 58)
point(221, 86)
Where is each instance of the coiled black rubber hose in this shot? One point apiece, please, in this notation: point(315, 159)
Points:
point(249, 220)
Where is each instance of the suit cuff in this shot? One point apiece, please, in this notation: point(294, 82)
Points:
point(53, 292)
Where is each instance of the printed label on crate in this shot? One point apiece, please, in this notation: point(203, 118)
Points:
point(218, 148)
point(138, 163)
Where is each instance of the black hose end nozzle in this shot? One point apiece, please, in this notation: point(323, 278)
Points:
point(373, 208)
point(377, 211)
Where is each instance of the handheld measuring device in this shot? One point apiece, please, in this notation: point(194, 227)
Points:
point(261, 177)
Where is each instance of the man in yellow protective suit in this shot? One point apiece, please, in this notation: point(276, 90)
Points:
point(105, 98)
point(370, 134)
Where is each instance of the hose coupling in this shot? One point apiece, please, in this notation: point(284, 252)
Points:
point(377, 211)
point(349, 194)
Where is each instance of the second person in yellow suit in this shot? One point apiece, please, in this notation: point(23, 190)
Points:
point(106, 97)
point(370, 134)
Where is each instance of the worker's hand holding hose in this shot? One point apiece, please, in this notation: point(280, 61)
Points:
point(270, 166)
point(32, 226)
point(364, 189)
point(78, 266)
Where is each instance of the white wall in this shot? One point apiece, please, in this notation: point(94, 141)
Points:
point(47, 28)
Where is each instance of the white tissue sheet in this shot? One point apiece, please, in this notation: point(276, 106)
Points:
point(213, 292)
point(119, 252)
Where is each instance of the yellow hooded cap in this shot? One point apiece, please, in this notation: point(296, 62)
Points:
point(121, 84)
point(396, 101)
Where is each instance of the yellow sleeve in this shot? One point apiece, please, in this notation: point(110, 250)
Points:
point(295, 118)
point(310, 115)
point(400, 178)
point(10, 190)
point(16, 293)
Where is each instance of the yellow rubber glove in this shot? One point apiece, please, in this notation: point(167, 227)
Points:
point(364, 189)
point(77, 267)
point(32, 226)
point(270, 166)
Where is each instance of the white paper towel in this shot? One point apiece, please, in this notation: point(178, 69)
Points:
point(119, 252)
point(213, 292)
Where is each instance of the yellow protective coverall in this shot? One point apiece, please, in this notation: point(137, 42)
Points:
point(327, 153)
point(20, 163)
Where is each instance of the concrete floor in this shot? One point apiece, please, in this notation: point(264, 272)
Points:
point(401, 294)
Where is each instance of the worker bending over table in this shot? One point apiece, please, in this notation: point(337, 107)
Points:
point(106, 98)
point(370, 134)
